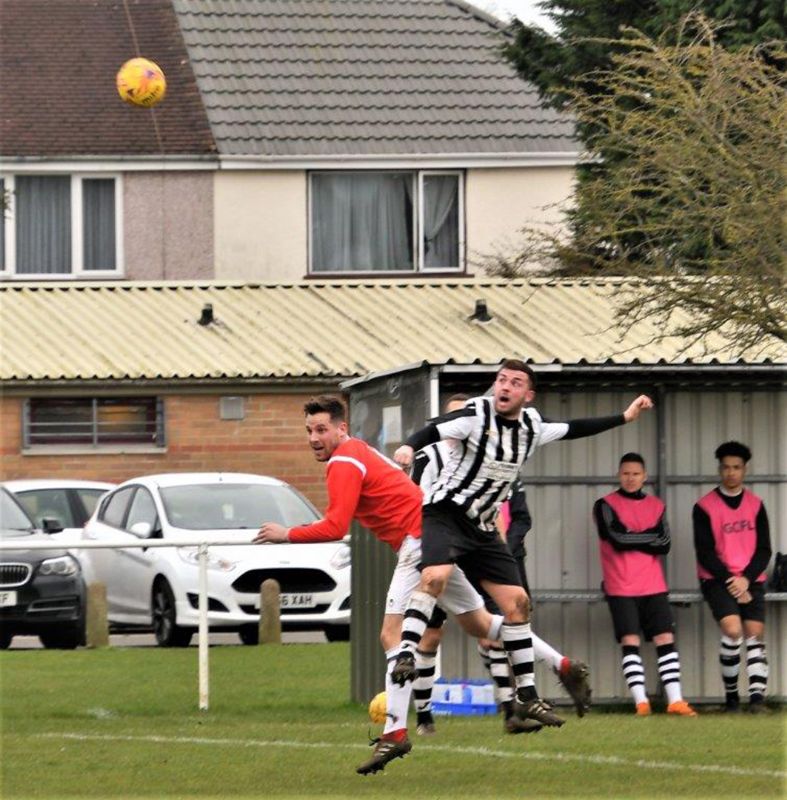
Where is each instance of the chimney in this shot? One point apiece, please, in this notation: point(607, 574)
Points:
point(481, 313)
point(206, 317)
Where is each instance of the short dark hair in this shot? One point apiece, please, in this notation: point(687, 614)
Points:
point(519, 366)
point(459, 397)
point(733, 449)
point(329, 404)
point(628, 458)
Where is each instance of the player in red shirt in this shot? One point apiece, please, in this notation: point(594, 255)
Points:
point(365, 485)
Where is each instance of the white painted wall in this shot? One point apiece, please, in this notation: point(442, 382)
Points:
point(261, 225)
point(500, 202)
point(261, 217)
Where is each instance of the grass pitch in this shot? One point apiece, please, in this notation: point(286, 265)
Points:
point(124, 724)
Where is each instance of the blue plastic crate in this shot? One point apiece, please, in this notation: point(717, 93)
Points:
point(463, 698)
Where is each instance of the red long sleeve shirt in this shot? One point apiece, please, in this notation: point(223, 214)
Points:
point(363, 484)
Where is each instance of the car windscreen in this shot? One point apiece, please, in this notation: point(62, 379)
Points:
point(13, 521)
point(227, 506)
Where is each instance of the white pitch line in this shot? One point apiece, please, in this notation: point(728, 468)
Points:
point(615, 761)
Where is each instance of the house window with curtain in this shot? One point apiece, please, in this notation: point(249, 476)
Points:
point(392, 221)
point(61, 225)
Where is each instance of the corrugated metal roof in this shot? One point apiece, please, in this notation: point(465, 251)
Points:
point(113, 331)
point(338, 77)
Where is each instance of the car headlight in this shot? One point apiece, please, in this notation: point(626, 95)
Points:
point(341, 558)
point(62, 565)
point(191, 556)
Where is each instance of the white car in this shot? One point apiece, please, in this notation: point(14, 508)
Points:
point(158, 586)
point(65, 504)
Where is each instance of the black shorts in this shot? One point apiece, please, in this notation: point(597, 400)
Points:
point(723, 604)
point(648, 613)
point(449, 537)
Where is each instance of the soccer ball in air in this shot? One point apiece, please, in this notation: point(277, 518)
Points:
point(141, 82)
point(377, 708)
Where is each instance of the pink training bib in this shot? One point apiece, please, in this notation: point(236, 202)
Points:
point(632, 573)
point(734, 531)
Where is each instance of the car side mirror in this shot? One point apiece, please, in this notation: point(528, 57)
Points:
point(142, 529)
point(51, 525)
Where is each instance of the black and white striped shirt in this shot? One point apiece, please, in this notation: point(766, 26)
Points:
point(488, 452)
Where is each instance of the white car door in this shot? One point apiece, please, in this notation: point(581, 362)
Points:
point(137, 565)
point(106, 564)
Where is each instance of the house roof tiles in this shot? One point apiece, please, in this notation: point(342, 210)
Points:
point(58, 60)
point(338, 77)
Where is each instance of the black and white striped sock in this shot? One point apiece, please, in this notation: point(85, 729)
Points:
point(730, 660)
point(634, 673)
point(424, 680)
point(669, 671)
point(519, 649)
point(500, 671)
point(483, 653)
point(756, 669)
point(416, 617)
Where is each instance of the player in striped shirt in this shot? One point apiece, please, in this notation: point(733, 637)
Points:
point(516, 521)
point(496, 436)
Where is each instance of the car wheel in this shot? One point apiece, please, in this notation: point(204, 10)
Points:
point(5, 639)
point(337, 633)
point(63, 638)
point(165, 627)
point(249, 634)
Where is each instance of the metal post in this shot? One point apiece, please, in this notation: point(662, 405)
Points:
point(203, 627)
point(661, 441)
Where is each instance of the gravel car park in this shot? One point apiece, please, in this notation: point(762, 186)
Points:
point(157, 587)
point(42, 592)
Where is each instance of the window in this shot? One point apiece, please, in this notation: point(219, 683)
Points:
point(94, 422)
point(114, 509)
point(43, 503)
point(58, 225)
point(89, 498)
point(398, 221)
point(143, 509)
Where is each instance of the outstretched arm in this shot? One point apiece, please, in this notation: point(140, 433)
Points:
point(344, 483)
point(579, 428)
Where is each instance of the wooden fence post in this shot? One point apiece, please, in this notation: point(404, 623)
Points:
point(270, 619)
point(96, 625)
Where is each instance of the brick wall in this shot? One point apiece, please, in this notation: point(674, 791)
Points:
point(270, 440)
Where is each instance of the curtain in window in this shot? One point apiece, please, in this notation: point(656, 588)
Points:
point(362, 222)
point(98, 223)
point(43, 224)
point(441, 221)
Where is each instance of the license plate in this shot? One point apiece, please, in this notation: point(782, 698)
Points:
point(7, 599)
point(296, 601)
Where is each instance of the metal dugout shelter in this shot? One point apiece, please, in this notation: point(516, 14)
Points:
point(698, 406)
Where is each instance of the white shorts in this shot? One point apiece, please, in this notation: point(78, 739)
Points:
point(459, 596)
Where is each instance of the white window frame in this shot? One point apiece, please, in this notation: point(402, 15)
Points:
point(418, 224)
point(460, 224)
point(77, 240)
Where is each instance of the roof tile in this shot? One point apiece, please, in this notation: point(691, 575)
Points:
point(338, 65)
point(58, 60)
